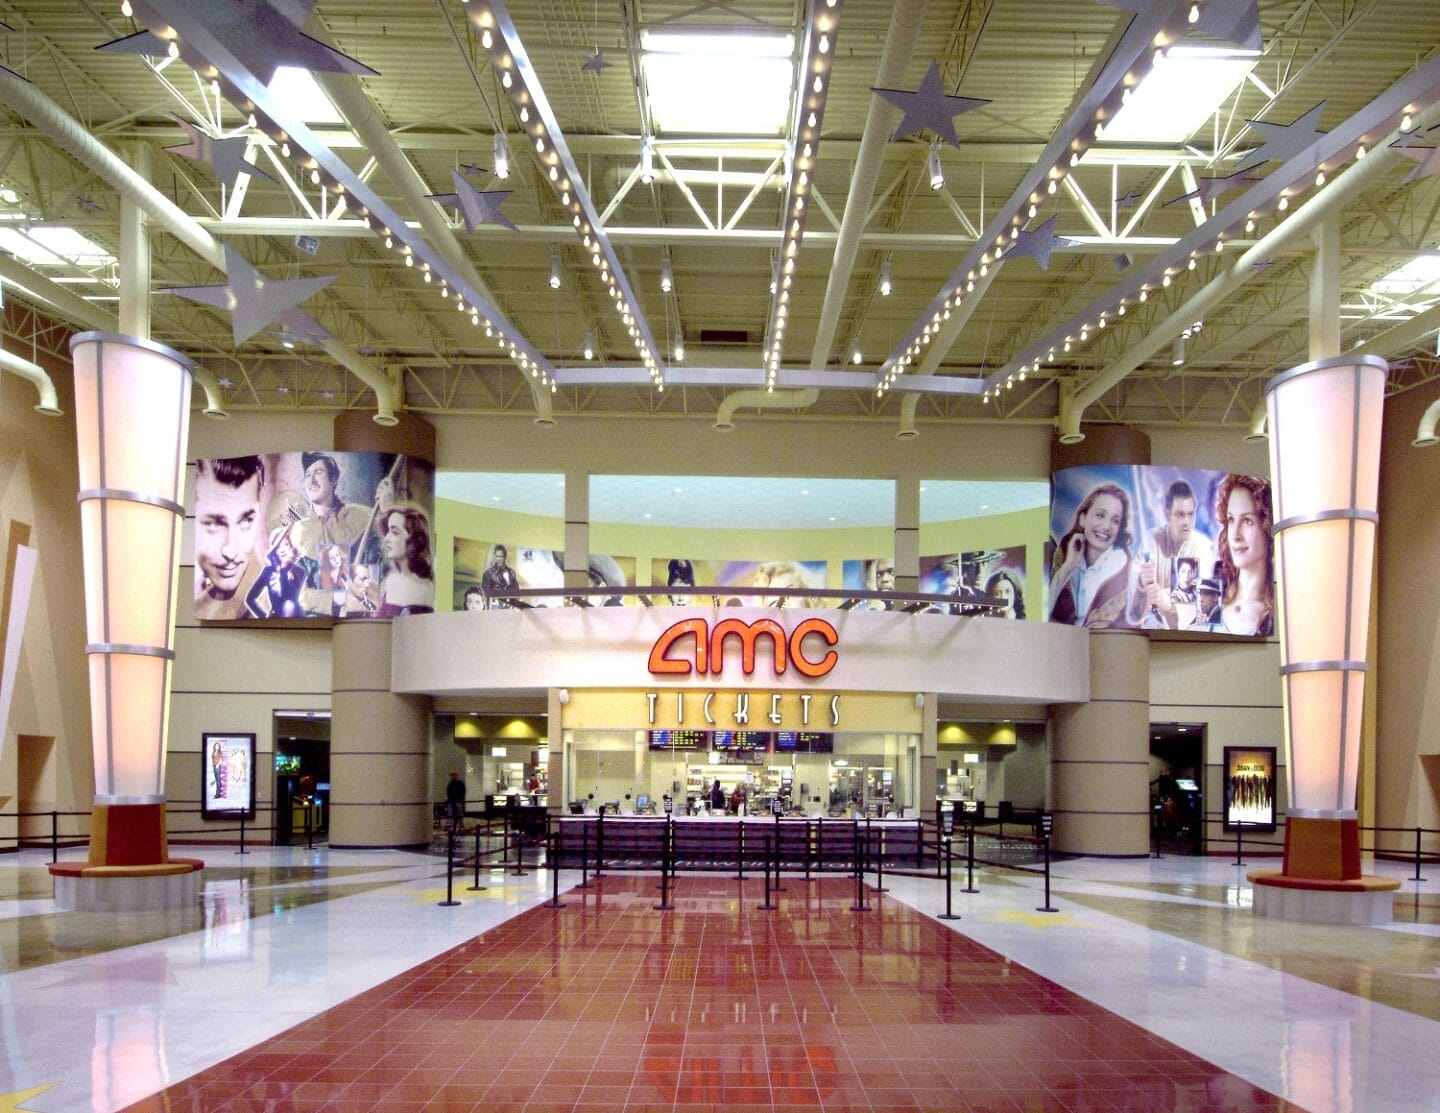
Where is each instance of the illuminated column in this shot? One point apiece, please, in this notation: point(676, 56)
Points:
point(132, 413)
point(1325, 421)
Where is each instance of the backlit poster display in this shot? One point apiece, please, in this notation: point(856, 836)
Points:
point(743, 583)
point(1250, 787)
point(300, 535)
point(486, 571)
point(1161, 548)
point(227, 770)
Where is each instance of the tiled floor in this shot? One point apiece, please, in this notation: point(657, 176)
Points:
point(334, 981)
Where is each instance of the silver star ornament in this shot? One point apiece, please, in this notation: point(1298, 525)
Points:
point(1037, 244)
point(476, 206)
point(225, 156)
point(1284, 141)
point(252, 300)
point(929, 107)
point(1207, 189)
point(596, 63)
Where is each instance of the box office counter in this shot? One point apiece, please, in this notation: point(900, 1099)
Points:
point(720, 842)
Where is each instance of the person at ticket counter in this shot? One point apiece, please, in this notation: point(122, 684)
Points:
point(737, 799)
point(717, 796)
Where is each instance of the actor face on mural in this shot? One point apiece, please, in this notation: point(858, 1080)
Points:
point(227, 515)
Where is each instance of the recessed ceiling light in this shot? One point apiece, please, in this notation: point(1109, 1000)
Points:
point(1186, 86)
point(52, 245)
point(299, 90)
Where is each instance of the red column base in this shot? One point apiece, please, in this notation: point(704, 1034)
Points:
point(127, 840)
point(1322, 854)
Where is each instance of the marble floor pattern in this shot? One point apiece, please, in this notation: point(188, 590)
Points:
point(1152, 987)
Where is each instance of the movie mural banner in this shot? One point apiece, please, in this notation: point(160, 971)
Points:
point(487, 571)
point(986, 582)
point(1161, 548)
point(301, 535)
point(741, 583)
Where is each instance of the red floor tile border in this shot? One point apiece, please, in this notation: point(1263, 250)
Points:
point(609, 1005)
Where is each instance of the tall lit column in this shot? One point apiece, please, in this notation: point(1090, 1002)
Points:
point(132, 413)
point(1325, 419)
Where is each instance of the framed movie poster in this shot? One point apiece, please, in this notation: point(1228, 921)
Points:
point(227, 774)
point(1250, 787)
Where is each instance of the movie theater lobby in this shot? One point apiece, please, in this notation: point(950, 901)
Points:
point(872, 556)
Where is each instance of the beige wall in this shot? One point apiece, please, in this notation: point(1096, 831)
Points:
point(1408, 667)
point(38, 482)
point(1235, 692)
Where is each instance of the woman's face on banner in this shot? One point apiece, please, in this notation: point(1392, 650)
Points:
point(1249, 547)
point(392, 545)
point(1100, 525)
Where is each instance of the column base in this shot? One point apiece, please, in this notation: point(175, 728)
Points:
point(129, 867)
point(1321, 882)
point(1362, 900)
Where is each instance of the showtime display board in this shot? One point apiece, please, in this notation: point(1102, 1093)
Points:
point(1161, 548)
point(313, 535)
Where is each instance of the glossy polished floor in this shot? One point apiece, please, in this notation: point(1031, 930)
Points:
point(334, 980)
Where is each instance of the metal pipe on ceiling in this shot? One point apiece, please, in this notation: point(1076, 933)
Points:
point(1304, 220)
point(48, 404)
point(70, 305)
point(899, 48)
point(26, 99)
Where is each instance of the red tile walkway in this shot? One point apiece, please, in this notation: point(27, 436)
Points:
point(609, 1005)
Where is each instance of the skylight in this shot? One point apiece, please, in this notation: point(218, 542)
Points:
point(1185, 89)
point(299, 89)
point(53, 245)
point(1417, 274)
point(718, 83)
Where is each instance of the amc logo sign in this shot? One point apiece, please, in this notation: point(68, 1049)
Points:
point(711, 646)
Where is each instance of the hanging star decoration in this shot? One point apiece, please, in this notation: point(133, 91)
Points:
point(5, 28)
point(1409, 139)
point(1263, 264)
point(473, 168)
point(596, 63)
point(299, 327)
point(1129, 201)
point(929, 107)
point(225, 156)
point(1207, 189)
point(90, 205)
point(476, 206)
point(1136, 6)
point(1037, 244)
point(1427, 160)
point(1284, 141)
point(261, 35)
point(252, 300)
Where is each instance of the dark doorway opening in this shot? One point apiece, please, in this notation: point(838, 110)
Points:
point(302, 777)
point(1177, 779)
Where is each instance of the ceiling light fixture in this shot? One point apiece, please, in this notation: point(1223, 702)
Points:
point(1177, 352)
point(500, 152)
point(667, 277)
point(532, 108)
point(885, 284)
point(647, 160)
point(811, 81)
point(554, 271)
point(937, 172)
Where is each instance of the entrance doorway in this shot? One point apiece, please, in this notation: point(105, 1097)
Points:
point(1177, 801)
point(302, 777)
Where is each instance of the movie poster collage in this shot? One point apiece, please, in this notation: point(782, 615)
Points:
point(310, 535)
point(488, 572)
point(1161, 548)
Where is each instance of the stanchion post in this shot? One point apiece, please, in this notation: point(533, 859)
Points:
point(740, 848)
point(55, 842)
point(242, 849)
point(584, 854)
point(969, 855)
point(1047, 823)
point(858, 853)
point(599, 843)
point(1417, 876)
point(879, 845)
point(309, 828)
point(665, 847)
point(777, 808)
point(946, 831)
point(769, 905)
point(552, 855)
point(1239, 830)
point(449, 901)
point(476, 887)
